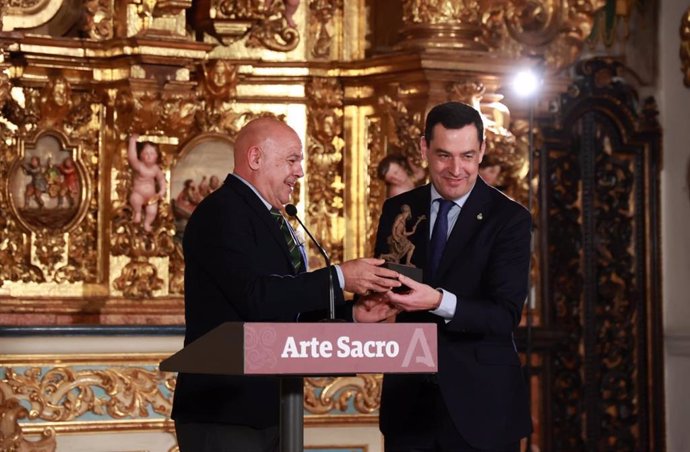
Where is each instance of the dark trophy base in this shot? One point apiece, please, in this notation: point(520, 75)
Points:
point(411, 272)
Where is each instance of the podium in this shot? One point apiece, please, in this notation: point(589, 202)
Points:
point(293, 350)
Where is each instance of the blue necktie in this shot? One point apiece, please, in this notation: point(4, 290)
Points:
point(439, 236)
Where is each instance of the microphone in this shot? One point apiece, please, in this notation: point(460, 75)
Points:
point(291, 210)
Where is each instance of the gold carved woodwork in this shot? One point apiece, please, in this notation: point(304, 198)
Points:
point(3, 11)
point(139, 277)
point(28, 14)
point(218, 90)
point(56, 102)
point(156, 18)
point(403, 137)
point(377, 187)
point(66, 393)
point(262, 23)
point(554, 30)
point(685, 47)
point(326, 395)
point(97, 20)
point(219, 80)
point(176, 271)
point(160, 8)
point(163, 112)
point(54, 242)
point(449, 24)
point(324, 11)
point(15, 262)
point(503, 148)
point(11, 435)
point(395, 131)
point(5, 89)
point(325, 145)
point(169, 112)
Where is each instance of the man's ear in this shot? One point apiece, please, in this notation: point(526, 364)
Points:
point(254, 157)
point(482, 148)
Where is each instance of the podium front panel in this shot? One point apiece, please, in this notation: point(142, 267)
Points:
point(339, 348)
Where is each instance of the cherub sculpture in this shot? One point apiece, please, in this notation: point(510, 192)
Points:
point(148, 184)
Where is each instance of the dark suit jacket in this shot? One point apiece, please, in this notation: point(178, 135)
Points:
point(237, 268)
point(485, 264)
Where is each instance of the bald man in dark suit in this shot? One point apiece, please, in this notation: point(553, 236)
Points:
point(243, 263)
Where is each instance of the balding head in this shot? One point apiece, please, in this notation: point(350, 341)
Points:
point(268, 155)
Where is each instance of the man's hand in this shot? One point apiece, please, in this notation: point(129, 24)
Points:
point(366, 275)
point(420, 297)
point(374, 308)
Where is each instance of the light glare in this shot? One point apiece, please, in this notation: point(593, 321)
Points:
point(525, 83)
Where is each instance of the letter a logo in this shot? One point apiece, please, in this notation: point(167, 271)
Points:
point(418, 340)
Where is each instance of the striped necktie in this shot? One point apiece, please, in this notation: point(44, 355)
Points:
point(295, 254)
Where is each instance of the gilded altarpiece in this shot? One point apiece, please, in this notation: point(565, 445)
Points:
point(355, 79)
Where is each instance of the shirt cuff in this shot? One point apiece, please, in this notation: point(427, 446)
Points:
point(341, 277)
point(446, 309)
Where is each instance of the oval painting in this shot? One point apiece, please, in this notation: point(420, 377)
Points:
point(205, 164)
point(45, 186)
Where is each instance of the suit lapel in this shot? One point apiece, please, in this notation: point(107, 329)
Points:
point(261, 212)
point(468, 223)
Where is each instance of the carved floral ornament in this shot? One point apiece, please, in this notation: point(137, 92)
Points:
point(49, 157)
point(323, 11)
point(63, 394)
point(325, 161)
point(555, 30)
point(685, 47)
point(263, 23)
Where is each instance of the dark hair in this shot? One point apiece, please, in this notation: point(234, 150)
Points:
point(453, 115)
point(142, 144)
point(385, 164)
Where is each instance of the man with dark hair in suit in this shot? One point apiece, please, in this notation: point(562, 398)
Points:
point(475, 252)
point(243, 263)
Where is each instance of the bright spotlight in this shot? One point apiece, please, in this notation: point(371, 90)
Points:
point(526, 83)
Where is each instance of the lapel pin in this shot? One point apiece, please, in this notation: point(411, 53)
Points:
point(480, 216)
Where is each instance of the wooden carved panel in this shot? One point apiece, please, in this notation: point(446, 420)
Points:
point(601, 271)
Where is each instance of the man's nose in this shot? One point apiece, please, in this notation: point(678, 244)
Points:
point(300, 171)
point(456, 167)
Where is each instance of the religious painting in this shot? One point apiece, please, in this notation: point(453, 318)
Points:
point(205, 162)
point(45, 185)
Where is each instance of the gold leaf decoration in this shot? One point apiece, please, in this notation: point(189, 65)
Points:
point(264, 24)
point(50, 248)
point(325, 163)
point(503, 149)
point(65, 393)
point(377, 188)
point(11, 435)
point(553, 30)
point(323, 11)
point(441, 11)
point(97, 21)
point(407, 127)
point(327, 394)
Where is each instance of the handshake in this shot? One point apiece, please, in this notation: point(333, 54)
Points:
point(378, 302)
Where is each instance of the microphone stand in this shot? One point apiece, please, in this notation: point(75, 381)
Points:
point(291, 210)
